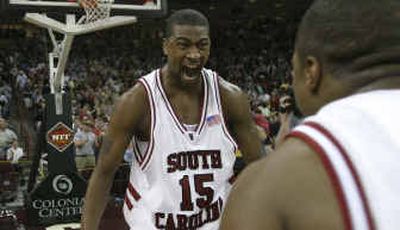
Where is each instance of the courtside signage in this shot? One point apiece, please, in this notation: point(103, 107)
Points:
point(60, 136)
point(56, 200)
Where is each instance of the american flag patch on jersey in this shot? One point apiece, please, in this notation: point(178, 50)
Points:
point(213, 120)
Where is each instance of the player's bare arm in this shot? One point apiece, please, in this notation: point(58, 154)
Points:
point(298, 190)
point(236, 108)
point(126, 119)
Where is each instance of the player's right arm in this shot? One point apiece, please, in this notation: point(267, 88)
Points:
point(126, 118)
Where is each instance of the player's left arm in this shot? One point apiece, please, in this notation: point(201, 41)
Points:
point(237, 113)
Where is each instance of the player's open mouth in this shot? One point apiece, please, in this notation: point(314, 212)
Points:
point(191, 74)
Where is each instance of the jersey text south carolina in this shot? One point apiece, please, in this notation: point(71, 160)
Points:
point(171, 221)
point(193, 160)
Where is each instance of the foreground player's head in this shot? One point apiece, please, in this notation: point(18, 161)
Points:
point(343, 45)
point(187, 44)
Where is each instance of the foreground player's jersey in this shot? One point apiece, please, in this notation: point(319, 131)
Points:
point(180, 177)
point(358, 141)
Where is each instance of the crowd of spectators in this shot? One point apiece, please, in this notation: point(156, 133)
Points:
point(103, 65)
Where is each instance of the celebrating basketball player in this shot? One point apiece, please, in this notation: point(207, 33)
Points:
point(186, 123)
point(339, 169)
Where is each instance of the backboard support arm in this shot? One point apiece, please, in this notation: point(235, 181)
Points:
point(61, 48)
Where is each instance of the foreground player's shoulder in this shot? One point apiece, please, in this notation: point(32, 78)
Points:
point(226, 88)
point(135, 96)
point(229, 89)
point(288, 188)
point(131, 106)
point(233, 100)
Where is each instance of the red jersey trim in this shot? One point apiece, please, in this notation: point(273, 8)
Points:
point(224, 127)
point(131, 190)
point(334, 179)
point(350, 165)
point(203, 108)
point(128, 202)
point(171, 112)
point(232, 179)
point(137, 154)
point(149, 151)
point(204, 105)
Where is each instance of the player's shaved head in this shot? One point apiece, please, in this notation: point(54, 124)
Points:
point(357, 38)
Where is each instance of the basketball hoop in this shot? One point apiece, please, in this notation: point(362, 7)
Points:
point(95, 10)
point(97, 18)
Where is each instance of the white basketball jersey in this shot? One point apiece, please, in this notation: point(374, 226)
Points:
point(358, 141)
point(180, 178)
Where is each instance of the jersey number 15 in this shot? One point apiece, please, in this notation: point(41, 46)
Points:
point(206, 193)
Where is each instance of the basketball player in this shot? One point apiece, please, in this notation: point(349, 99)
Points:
point(187, 123)
point(339, 169)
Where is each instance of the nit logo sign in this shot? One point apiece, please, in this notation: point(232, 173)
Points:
point(60, 136)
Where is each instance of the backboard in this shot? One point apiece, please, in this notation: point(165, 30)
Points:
point(148, 8)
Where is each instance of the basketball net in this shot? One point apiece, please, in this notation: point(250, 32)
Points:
point(95, 10)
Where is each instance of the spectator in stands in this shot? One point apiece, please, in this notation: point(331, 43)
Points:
point(6, 138)
point(22, 80)
point(264, 106)
point(98, 71)
point(84, 141)
point(3, 104)
point(15, 152)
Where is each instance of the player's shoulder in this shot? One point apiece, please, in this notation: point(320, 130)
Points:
point(229, 88)
point(150, 75)
point(138, 92)
point(223, 85)
point(131, 108)
point(229, 92)
point(234, 100)
point(136, 98)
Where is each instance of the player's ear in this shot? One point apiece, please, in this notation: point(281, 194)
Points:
point(313, 73)
point(165, 46)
